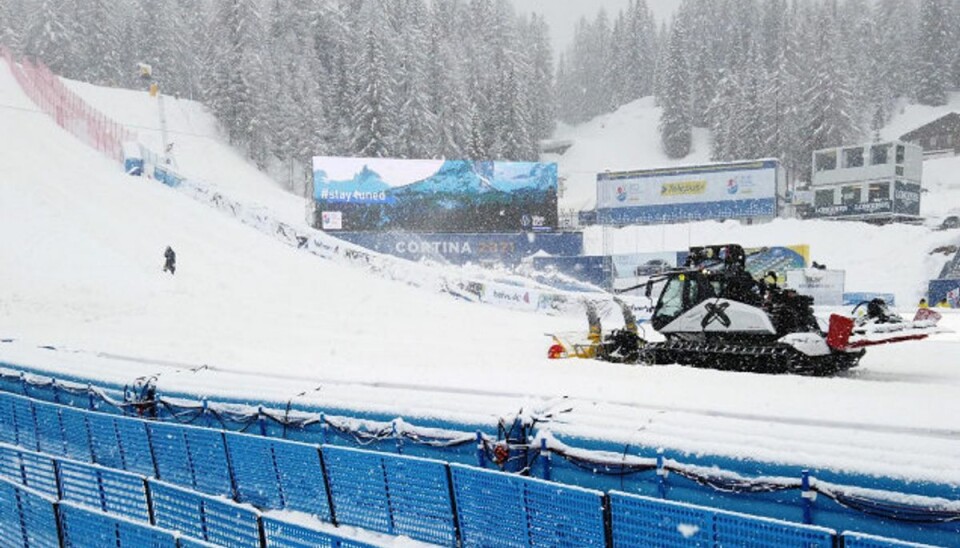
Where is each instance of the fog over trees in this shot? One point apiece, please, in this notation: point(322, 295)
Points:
point(289, 79)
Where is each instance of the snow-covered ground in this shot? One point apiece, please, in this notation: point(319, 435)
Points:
point(80, 269)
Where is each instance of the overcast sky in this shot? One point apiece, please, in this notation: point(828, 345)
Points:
point(562, 15)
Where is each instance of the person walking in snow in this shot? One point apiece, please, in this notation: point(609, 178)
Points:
point(171, 261)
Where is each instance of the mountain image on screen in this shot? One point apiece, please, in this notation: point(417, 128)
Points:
point(461, 196)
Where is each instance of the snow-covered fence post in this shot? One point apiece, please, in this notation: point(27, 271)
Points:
point(323, 429)
point(91, 402)
point(397, 438)
point(545, 457)
point(261, 421)
point(481, 453)
point(662, 474)
point(23, 383)
point(55, 390)
point(808, 496)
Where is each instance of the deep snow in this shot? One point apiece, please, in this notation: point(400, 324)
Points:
point(80, 269)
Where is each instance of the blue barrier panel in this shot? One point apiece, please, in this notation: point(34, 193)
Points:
point(230, 524)
point(11, 533)
point(25, 423)
point(10, 464)
point(507, 510)
point(8, 427)
point(76, 435)
point(104, 441)
point(561, 515)
point(741, 530)
point(208, 457)
point(177, 509)
point(189, 456)
point(301, 478)
point(643, 521)
point(111, 491)
point(254, 470)
point(391, 494)
point(50, 434)
point(419, 494)
point(134, 446)
point(204, 517)
point(489, 507)
point(86, 528)
point(859, 540)
point(36, 517)
point(170, 450)
point(39, 473)
point(754, 532)
point(282, 534)
point(188, 542)
point(358, 488)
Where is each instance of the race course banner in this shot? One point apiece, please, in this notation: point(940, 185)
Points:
point(381, 194)
point(713, 191)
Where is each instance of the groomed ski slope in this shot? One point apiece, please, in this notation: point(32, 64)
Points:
point(80, 270)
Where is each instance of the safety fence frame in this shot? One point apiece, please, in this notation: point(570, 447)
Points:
point(67, 108)
point(424, 499)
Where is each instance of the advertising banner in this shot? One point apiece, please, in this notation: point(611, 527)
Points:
point(948, 289)
point(825, 286)
point(381, 194)
point(906, 198)
point(643, 264)
point(853, 299)
point(508, 296)
point(779, 259)
point(507, 249)
point(905, 201)
point(716, 191)
point(591, 269)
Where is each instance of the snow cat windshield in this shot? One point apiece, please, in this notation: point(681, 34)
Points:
point(682, 292)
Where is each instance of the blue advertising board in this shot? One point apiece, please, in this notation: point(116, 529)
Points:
point(382, 194)
point(503, 248)
point(714, 191)
point(857, 297)
point(593, 269)
point(944, 289)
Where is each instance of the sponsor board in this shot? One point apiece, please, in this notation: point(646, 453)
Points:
point(497, 248)
point(592, 269)
point(825, 286)
point(761, 260)
point(331, 220)
point(510, 297)
point(855, 298)
point(715, 191)
point(383, 194)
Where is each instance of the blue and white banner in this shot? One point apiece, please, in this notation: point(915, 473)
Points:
point(382, 194)
point(501, 248)
point(715, 191)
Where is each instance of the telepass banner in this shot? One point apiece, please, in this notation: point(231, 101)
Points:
point(715, 191)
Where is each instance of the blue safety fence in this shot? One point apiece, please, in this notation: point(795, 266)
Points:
point(424, 499)
point(497, 509)
point(119, 442)
point(204, 517)
point(391, 494)
point(111, 491)
point(30, 469)
point(27, 518)
point(644, 521)
point(277, 474)
point(859, 540)
point(282, 534)
point(195, 457)
point(83, 527)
